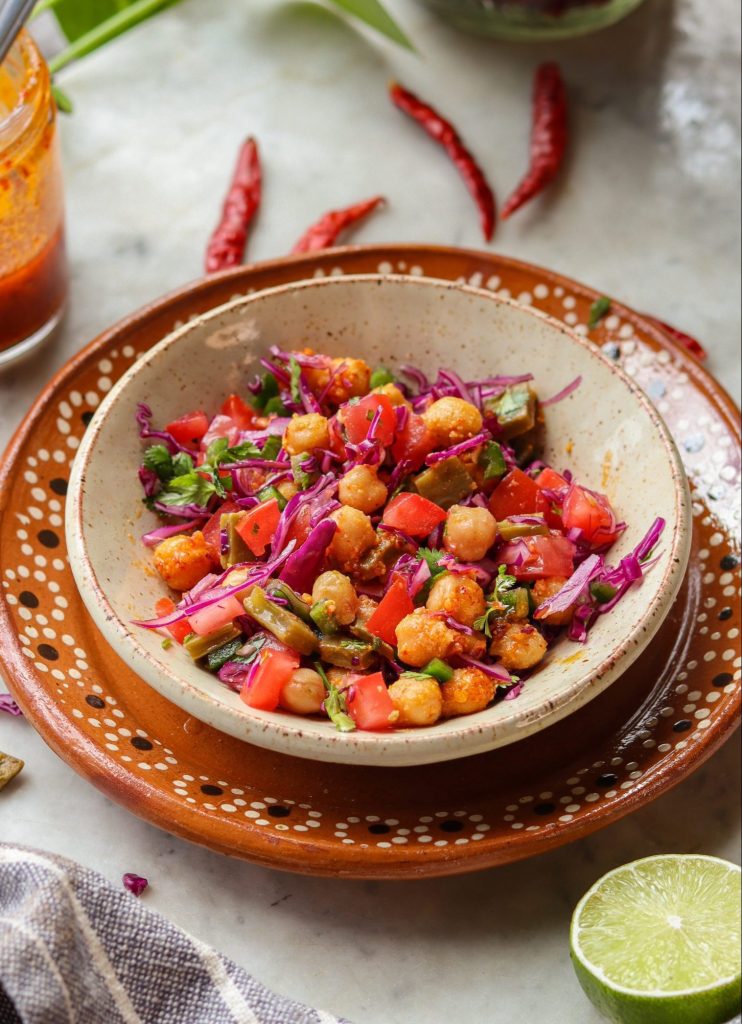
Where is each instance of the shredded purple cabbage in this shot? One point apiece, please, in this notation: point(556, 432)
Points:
point(134, 883)
point(8, 705)
point(303, 566)
point(495, 671)
point(143, 417)
point(163, 532)
point(457, 449)
point(572, 386)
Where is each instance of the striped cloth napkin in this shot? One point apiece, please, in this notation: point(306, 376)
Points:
point(75, 949)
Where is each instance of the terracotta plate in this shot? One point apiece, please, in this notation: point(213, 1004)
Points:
point(669, 712)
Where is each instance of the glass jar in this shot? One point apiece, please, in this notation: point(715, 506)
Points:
point(532, 19)
point(33, 266)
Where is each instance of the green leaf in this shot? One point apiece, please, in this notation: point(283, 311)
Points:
point(380, 377)
point(602, 592)
point(268, 391)
point(159, 460)
point(598, 310)
point(191, 489)
point(335, 703)
point(375, 16)
point(432, 556)
point(503, 583)
point(493, 461)
point(302, 479)
point(88, 24)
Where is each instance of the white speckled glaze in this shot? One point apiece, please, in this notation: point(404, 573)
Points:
point(606, 431)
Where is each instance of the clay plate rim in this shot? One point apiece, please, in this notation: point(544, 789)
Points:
point(132, 791)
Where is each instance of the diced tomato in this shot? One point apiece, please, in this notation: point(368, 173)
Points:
point(517, 495)
point(390, 611)
point(539, 557)
point(189, 429)
point(212, 531)
point(243, 416)
point(591, 513)
point(179, 630)
point(216, 615)
point(368, 702)
point(258, 525)
point(300, 527)
point(337, 445)
point(357, 417)
point(221, 426)
point(551, 480)
point(264, 685)
point(413, 515)
point(413, 442)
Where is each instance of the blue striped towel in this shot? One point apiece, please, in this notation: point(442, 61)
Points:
point(75, 949)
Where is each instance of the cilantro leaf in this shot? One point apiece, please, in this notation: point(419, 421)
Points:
point(271, 448)
point(267, 393)
point(335, 705)
point(503, 583)
point(433, 556)
point(493, 461)
point(182, 464)
point(598, 310)
point(482, 624)
point(302, 478)
point(158, 459)
point(190, 489)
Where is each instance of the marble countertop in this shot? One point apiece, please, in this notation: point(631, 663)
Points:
point(647, 211)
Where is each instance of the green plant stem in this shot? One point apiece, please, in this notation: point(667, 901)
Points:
point(140, 10)
point(41, 6)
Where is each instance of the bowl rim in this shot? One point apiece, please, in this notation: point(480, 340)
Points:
point(470, 735)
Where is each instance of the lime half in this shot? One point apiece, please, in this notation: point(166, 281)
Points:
point(657, 941)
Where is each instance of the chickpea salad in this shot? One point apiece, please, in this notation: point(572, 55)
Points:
point(372, 546)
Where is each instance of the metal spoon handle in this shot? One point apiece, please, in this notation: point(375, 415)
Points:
point(13, 16)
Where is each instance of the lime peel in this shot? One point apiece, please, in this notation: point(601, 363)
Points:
point(670, 920)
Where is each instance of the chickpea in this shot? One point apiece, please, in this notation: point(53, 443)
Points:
point(470, 532)
point(517, 645)
point(474, 645)
point(341, 678)
point(351, 380)
point(183, 560)
point(361, 488)
point(303, 693)
point(393, 393)
point(421, 637)
point(451, 420)
point(467, 691)
point(305, 433)
point(288, 488)
point(542, 591)
point(366, 608)
point(417, 701)
point(340, 594)
point(458, 596)
point(353, 537)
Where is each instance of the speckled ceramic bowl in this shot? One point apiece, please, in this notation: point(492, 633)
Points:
point(606, 431)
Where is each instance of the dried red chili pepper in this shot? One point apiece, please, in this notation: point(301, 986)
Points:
point(324, 233)
point(227, 244)
point(548, 136)
point(445, 134)
point(686, 341)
